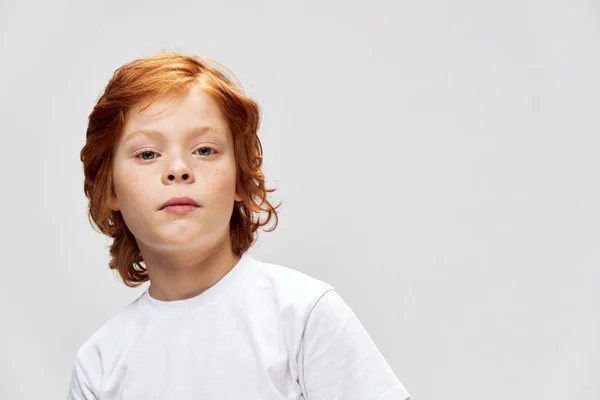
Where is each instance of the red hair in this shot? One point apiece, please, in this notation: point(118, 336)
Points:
point(148, 79)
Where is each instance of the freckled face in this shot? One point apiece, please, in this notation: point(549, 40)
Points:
point(175, 148)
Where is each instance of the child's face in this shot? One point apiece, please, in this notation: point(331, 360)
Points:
point(181, 160)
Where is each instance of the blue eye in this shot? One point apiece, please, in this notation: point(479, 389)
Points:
point(147, 154)
point(145, 151)
point(209, 148)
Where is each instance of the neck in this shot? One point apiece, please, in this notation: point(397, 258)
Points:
point(181, 275)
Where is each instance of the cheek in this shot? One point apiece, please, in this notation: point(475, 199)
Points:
point(129, 187)
point(134, 203)
point(222, 186)
point(123, 182)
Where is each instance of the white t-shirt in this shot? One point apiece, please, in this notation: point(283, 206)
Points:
point(264, 331)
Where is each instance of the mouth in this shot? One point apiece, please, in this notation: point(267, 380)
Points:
point(179, 203)
point(179, 208)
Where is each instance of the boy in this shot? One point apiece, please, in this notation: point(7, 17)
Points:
point(172, 166)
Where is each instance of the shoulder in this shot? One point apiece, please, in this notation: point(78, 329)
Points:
point(288, 283)
point(94, 354)
point(97, 348)
point(339, 359)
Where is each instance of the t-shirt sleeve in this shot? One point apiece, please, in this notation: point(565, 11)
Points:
point(80, 387)
point(338, 360)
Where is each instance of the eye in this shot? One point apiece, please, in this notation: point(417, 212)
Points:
point(145, 152)
point(148, 155)
point(207, 148)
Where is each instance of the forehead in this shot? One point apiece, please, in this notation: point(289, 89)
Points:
point(171, 113)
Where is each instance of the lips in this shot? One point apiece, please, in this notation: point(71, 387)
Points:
point(179, 201)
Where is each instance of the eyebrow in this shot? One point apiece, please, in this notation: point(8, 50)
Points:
point(198, 130)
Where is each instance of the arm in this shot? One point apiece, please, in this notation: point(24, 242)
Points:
point(338, 360)
point(80, 387)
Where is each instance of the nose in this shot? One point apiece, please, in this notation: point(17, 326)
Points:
point(178, 172)
point(184, 177)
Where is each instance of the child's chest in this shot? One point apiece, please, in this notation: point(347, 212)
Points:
point(224, 358)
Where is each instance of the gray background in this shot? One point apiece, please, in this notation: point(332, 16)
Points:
point(437, 163)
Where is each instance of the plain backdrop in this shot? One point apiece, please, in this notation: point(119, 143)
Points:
point(437, 162)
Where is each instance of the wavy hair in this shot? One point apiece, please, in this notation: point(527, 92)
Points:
point(146, 80)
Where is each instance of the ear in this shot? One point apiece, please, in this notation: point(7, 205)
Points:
point(113, 202)
point(237, 196)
